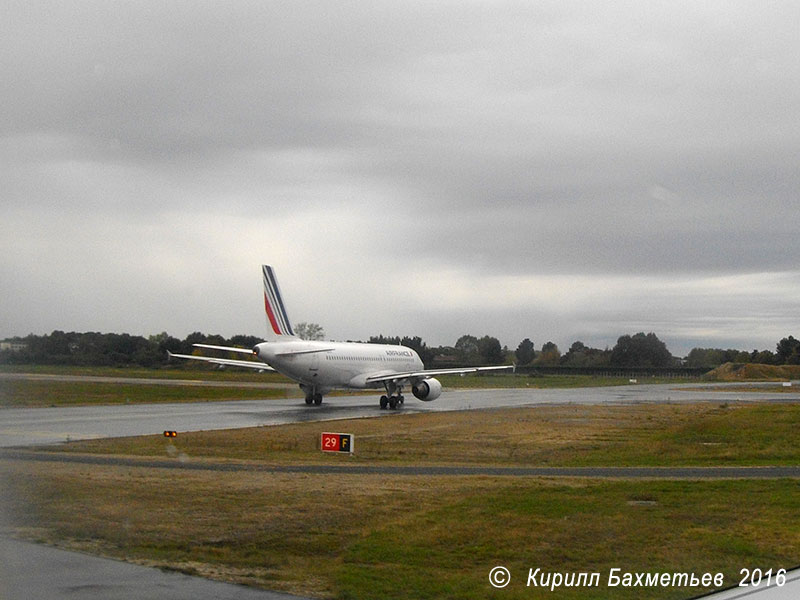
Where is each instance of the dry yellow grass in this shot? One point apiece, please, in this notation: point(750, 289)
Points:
point(282, 531)
point(636, 435)
point(368, 536)
point(752, 372)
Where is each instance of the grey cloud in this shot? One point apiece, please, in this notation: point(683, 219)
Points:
point(620, 139)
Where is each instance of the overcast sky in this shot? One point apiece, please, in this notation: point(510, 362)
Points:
point(555, 170)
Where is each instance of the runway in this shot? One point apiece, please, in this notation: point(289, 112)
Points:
point(36, 426)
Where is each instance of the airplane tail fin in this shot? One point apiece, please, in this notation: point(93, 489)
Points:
point(278, 326)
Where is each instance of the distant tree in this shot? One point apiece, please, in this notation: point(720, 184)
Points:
point(577, 347)
point(788, 351)
point(490, 350)
point(164, 343)
point(737, 356)
point(196, 337)
point(525, 352)
point(121, 348)
point(384, 339)
point(550, 355)
point(58, 344)
point(640, 350)
point(245, 341)
point(580, 355)
point(443, 356)
point(575, 356)
point(705, 357)
point(412, 342)
point(764, 357)
point(467, 349)
point(309, 331)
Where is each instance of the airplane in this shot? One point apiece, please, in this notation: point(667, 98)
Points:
point(320, 367)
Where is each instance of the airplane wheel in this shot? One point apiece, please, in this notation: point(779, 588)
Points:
point(393, 403)
point(309, 400)
point(401, 399)
point(384, 402)
point(317, 399)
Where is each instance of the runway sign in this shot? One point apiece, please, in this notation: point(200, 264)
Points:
point(337, 442)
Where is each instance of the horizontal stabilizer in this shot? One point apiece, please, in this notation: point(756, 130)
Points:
point(247, 364)
point(224, 348)
point(295, 352)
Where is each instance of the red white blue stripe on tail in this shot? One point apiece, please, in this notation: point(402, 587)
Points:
point(277, 319)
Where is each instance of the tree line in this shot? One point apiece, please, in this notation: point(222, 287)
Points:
point(646, 350)
point(637, 350)
point(110, 349)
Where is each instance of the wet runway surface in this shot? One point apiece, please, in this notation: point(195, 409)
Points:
point(35, 426)
point(34, 571)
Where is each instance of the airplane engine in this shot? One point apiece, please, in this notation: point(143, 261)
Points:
point(427, 389)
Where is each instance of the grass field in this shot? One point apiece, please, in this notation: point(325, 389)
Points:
point(28, 393)
point(179, 371)
point(403, 537)
point(378, 536)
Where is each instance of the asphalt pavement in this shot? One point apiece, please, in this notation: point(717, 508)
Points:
point(32, 571)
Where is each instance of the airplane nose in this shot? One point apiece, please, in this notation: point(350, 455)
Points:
point(256, 350)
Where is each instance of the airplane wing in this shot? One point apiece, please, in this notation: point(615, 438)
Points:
point(248, 364)
point(430, 373)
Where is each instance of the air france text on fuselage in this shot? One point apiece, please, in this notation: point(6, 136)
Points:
point(399, 353)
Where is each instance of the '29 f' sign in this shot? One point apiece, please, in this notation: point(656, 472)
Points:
point(337, 442)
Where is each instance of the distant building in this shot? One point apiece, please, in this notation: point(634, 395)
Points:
point(445, 359)
point(13, 346)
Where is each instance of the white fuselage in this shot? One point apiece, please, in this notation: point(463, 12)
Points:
point(330, 365)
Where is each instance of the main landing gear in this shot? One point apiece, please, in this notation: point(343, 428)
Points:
point(312, 395)
point(394, 396)
point(315, 399)
point(392, 402)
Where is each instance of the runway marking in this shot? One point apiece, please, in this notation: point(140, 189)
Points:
point(792, 472)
